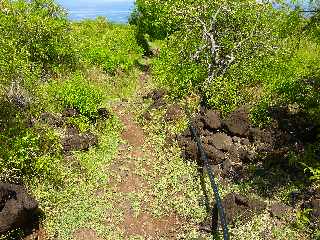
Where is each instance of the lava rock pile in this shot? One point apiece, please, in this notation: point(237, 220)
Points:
point(17, 208)
point(230, 143)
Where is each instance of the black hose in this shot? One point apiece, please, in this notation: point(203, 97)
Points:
point(214, 185)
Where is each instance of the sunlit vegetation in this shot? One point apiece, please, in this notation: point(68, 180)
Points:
point(59, 76)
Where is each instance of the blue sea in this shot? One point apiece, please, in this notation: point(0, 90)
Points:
point(114, 10)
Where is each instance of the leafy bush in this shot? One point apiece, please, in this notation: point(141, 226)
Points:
point(27, 152)
point(158, 18)
point(310, 161)
point(34, 38)
point(81, 122)
point(234, 52)
point(218, 62)
point(78, 93)
point(107, 45)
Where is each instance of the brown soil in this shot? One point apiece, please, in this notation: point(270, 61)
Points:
point(144, 224)
point(132, 132)
point(150, 227)
point(158, 97)
point(174, 113)
point(85, 234)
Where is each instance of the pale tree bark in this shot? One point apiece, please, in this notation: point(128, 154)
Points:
point(218, 58)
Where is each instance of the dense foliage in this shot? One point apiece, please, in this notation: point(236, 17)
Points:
point(44, 59)
point(229, 52)
point(34, 39)
point(77, 93)
point(235, 53)
point(27, 151)
point(110, 46)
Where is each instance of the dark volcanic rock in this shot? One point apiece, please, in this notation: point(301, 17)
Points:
point(206, 133)
point(187, 133)
point(238, 122)
point(226, 166)
point(158, 104)
point(264, 136)
point(214, 155)
point(70, 112)
point(17, 207)
point(147, 116)
point(191, 151)
point(72, 130)
point(312, 201)
point(51, 119)
point(198, 124)
point(212, 119)
point(233, 144)
point(174, 113)
point(239, 207)
point(239, 152)
point(279, 210)
point(20, 100)
point(315, 205)
point(104, 113)
point(158, 98)
point(156, 94)
point(31, 122)
point(297, 124)
point(221, 141)
point(76, 142)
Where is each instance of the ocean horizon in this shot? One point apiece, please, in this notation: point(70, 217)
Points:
point(117, 11)
point(114, 10)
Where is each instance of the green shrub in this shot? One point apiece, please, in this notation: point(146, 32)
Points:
point(235, 53)
point(310, 161)
point(159, 18)
point(187, 63)
point(262, 57)
point(34, 39)
point(82, 122)
point(107, 45)
point(78, 93)
point(27, 152)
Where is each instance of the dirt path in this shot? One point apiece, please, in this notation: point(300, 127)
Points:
point(128, 183)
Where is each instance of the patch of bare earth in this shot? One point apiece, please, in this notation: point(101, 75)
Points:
point(143, 224)
point(85, 234)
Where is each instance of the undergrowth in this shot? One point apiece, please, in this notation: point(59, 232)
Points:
point(76, 204)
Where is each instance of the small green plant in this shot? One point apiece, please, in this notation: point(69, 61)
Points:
point(303, 218)
point(310, 161)
point(78, 93)
point(315, 173)
point(82, 122)
point(29, 153)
